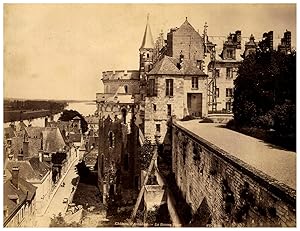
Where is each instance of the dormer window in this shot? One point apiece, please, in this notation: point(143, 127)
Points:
point(230, 54)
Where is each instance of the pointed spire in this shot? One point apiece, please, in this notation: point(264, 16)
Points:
point(148, 39)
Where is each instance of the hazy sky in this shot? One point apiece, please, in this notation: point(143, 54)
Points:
point(60, 50)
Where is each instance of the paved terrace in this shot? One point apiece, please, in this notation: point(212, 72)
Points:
point(269, 159)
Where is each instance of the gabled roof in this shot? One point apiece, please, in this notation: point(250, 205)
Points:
point(164, 67)
point(30, 170)
point(169, 66)
point(26, 191)
point(76, 118)
point(186, 28)
point(147, 39)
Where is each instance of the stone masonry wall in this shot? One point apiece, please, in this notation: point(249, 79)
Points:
point(236, 194)
point(160, 116)
point(111, 86)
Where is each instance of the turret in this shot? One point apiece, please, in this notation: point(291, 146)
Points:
point(146, 51)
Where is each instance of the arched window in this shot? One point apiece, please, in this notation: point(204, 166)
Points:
point(126, 89)
point(148, 55)
point(111, 139)
point(107, 89)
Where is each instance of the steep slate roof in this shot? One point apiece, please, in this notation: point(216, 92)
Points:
point(186, 28)
point(164, 67)
point(30, 170)
point(75, 137)
point(34, 132)
point(52, 140)
point(10, 190)
point(168, 66)
point(147, 39)
point(9, 132)
point(20, 126)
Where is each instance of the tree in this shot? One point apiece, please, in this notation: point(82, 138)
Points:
point(82, 170)
point(68, 115)
point(265, 91)
point(59, 221)
point(147, 151)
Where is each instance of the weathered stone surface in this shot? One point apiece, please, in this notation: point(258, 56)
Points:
point(236, 193)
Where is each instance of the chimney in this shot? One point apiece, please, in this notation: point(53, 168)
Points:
point(21, 155)
point(238, 34)
point(270, 39)
point(12, 125)
point(15, 176)
point(46, 121)
point(41, 156)
point(26, 148)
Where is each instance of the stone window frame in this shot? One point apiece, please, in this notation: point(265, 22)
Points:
point(152, 87)
point(170, 87)
point(217, 92)
point(229, 72)
point(195, 82)
point(157, 128)
point(154, 107)
point(229, 92)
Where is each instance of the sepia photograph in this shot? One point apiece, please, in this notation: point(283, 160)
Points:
point(149, 115)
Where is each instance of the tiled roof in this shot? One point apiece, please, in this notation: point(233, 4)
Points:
point(75, 137)
point(9, 132)
point(10, 190)
point(30, 170)
point(164, 67)
point(168, 66)
point(34, 132)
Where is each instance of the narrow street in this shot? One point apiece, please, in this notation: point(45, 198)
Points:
point(56, 205)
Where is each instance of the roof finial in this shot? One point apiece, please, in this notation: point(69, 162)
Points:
point(205, 29)
point(148, 17)
point(186, 18)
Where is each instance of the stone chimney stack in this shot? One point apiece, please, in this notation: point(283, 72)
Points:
point(21, 155)
point(26, 148)
point(15, 176)
point(46, 121)
point(41, 156)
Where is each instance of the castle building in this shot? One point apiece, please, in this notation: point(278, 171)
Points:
point(182, 76)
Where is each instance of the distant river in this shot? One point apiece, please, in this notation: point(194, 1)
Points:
point(84, 108)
